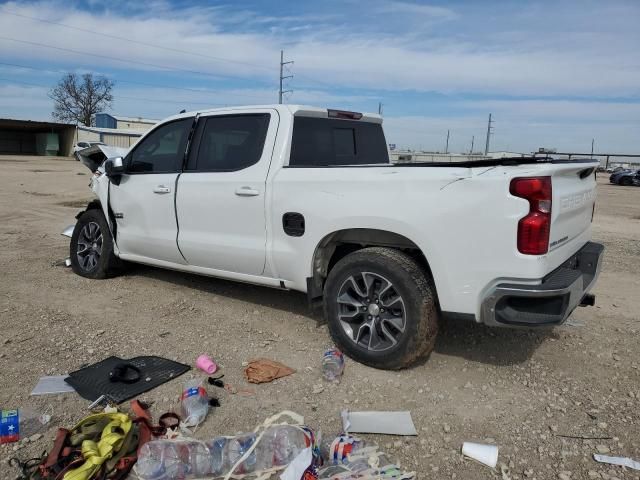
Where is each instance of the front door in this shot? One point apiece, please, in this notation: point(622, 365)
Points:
point(144, 202)
point(221, 193)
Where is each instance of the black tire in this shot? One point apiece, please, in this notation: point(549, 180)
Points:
point(93, 257)
point(626, 181)
point(417, 295)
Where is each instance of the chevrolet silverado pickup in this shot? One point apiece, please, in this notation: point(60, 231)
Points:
point(303, 198)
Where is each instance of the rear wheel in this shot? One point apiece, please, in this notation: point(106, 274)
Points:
point(91, 248)
point(381, 308)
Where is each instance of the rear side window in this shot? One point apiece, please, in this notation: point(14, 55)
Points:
point(322, 142)
point(230, 142)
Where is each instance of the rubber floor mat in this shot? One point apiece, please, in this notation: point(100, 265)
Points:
point(92, 381)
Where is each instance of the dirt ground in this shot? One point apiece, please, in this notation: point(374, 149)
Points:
point(522, 390)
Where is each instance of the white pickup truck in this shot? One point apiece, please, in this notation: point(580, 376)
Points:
point(306, 199)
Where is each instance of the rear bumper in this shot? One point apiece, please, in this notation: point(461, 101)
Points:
point(552, 300)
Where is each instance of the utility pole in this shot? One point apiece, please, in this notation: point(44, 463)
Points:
point(446, 148)
point(282, 64)
point(473, 138)
point(379, 108)
point(592, 142)
point(489, 127)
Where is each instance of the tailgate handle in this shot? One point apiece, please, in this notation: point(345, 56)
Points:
point(585, 173)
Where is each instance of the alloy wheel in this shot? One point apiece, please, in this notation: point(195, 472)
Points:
point(371, 311)
point(89, 246)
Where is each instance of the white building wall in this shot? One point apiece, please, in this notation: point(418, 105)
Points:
point(133, 125)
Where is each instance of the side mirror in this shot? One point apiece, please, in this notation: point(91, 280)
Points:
point(114, 167)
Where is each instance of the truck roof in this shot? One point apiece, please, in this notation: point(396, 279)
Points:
point(296, 110)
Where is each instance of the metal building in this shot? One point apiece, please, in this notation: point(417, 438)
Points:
point(119, 122)
point(26, 137)
point(109, 136)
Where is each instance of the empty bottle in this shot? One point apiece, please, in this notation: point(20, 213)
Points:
point(185, 460)
point(194, 403)
point(332, 365)
point(173, 460)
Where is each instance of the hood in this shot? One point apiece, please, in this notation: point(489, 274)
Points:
point(92, 157)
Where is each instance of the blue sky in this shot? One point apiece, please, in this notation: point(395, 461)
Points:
point(553, 73)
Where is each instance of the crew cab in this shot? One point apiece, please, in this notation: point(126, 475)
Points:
point(304, 198)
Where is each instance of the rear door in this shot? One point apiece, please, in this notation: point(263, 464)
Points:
point(221, 193)
point(144, 201)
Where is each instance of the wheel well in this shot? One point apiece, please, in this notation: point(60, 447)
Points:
point(92, 205)
point(338, 245)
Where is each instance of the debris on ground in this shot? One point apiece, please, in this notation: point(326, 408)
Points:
point(481, 452)
point(622, 461)
point(194, 403)
point(204, 363)
point(332, 365)
point(21, 423)
point(263, 370)
point(122, 379)
point(51, 385)
point(390, 423)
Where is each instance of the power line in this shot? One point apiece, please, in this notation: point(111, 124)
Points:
point(178, 102)
point(177, 50)
point(282, 78)
point(108, 57)
point(139, 42)
point(196, 90)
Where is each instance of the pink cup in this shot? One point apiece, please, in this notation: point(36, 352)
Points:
point(204, 363)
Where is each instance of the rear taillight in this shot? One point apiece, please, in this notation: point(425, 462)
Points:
point(533, 229)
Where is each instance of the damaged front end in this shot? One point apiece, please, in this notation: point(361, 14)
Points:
point(94, 158)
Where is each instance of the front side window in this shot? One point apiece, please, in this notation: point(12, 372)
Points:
point(230, 142)
point(163, 149)
point(83, 144)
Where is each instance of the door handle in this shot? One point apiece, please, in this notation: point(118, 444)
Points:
point(162, 189)
point(247, 192)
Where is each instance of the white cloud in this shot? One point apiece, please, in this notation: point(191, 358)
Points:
point(518, 59)
point(420, 9)
point(586, 49)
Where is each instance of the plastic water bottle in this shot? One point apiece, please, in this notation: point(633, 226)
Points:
point(167, 460)
point(189, 459)
point(332, 365)
point(194, 403)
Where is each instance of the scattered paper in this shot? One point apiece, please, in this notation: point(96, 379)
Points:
point(297, 467)
point(391, 423)
point(622, 461)
point(51, 385)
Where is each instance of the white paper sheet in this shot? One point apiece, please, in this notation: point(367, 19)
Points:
point(296, 469)
point(391, 423)
point(622, 461)
point(50, 385)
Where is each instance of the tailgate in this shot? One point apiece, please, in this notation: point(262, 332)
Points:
point(574, 196)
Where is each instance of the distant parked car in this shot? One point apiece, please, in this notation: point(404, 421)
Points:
point(82, 145)
point(626, 177)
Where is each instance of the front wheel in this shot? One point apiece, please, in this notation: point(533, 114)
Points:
point(91, 249)
point(626, 181)
point(381, 308)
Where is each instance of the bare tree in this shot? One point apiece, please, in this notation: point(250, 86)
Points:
point(78, 98)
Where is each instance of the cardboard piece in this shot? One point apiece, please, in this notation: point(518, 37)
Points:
point(51, 385)
point(390, 423)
